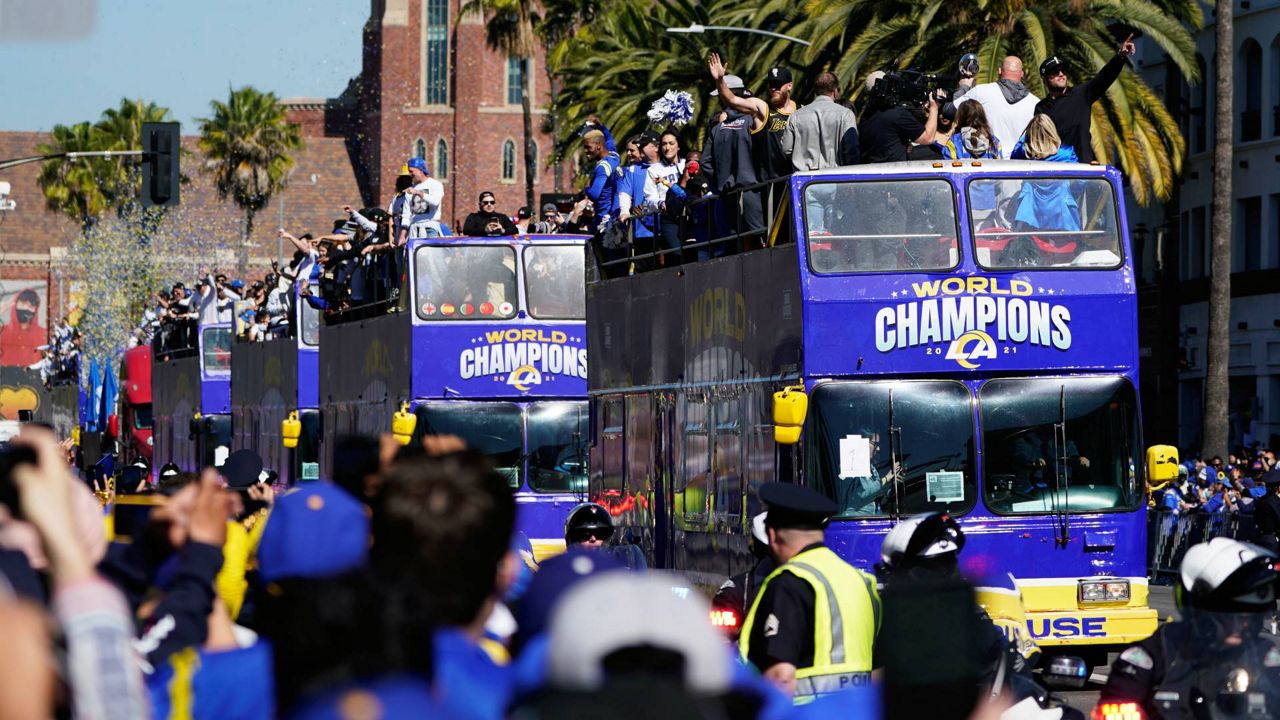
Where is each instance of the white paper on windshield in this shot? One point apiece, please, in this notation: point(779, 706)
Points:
point(855, 456)
point(944, 486)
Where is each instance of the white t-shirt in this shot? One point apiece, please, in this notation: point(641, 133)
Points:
point(424, 207)
point(654, 191)
point(1008, 121)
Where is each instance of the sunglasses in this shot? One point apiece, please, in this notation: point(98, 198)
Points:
point(488, 202)
point(592, 534)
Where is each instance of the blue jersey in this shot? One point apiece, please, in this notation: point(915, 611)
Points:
point(469, 685)
point(222, 685)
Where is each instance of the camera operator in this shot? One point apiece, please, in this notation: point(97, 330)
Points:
point(891, 128)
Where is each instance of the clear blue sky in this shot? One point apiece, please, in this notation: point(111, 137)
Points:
point(180, 54)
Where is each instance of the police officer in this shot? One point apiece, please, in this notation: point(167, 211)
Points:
point(812, 626)
point(1266, 513)
point(1225, 591)
point(738, 592)
point(925, 549)
point(588, 525)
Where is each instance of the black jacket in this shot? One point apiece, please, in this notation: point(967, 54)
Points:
point(1266, 520)
point(1071, 112)
point(478, 224)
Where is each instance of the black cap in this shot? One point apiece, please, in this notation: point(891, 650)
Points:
point(241, 469)
point(1052, 65)
point(550, 207)
point(796, 506)
point(779, 76)
point(1271, 477)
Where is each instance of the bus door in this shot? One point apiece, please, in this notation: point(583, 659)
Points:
point(664, 472)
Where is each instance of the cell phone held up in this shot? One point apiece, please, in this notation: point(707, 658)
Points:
point(12, 456)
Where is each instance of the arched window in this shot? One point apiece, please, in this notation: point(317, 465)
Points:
point(509, 159)
point(420, 149)
point(1249, 79)
point(442, 159)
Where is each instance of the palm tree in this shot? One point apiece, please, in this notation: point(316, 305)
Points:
point(247, 146)
point(512, 28)
point(620, 63)
point(1217, 351)
point(81, 190)
point(1132, 129)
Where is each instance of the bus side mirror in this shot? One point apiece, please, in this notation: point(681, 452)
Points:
point(789, 408)
point(1162, 464)
point(403, 423)
point(290, 430)
point(113, 426)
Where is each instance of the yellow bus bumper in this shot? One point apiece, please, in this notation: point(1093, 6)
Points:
point(1101, 626)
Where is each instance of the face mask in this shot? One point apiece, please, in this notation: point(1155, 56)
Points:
point(25, 316)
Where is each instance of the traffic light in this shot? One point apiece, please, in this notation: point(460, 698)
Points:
point(162, 145)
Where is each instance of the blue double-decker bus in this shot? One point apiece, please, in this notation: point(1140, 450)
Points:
point(272, 379)
point(956, 336)
point(191, 396)
point(487, 342)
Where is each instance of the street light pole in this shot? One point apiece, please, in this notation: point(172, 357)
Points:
point(700, 29)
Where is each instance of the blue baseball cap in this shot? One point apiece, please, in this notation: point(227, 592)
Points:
point(555, 577)
point(315, 531)
point(417, 162)
point(237, 284)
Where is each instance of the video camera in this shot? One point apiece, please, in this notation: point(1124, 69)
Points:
point(911, 89)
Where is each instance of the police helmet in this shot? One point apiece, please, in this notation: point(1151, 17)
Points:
point(1225, 575)
point(920, 537)
point(586, 518)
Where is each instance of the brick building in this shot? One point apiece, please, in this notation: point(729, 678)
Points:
point(429, 86)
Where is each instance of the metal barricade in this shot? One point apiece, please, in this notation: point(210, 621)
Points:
point(1169, 534)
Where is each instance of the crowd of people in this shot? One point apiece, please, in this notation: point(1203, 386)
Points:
point(59, 362)
point(1213, 485)
point(660, 205)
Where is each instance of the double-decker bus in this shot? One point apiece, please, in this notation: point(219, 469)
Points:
point(487, 343)
point(191, 397)
point(272, 379)
point(957, 336)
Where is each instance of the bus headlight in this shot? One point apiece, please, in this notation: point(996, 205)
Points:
point(1104, 591)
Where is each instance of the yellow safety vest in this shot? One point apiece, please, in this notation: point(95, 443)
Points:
point(846, 620)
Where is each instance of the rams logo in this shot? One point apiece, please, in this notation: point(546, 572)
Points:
point(524, 376)
point(972, 345)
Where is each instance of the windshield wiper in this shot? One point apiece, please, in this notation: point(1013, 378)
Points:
point(895, 445)
point(1061, 479)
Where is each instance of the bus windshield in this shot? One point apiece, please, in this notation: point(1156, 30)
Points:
point(1058, 444)
point(554, 277)
point(142, 417)
point(558, 447)
point(881, 226)
point(465, 282)
point(216, 342)
point(1044, 222)
point(493, 429)
point(894, 448)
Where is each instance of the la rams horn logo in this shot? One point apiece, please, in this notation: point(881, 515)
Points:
point(973, 345)
point(524, 376)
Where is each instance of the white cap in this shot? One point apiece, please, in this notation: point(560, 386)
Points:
point(647, 610)
point(733, 81)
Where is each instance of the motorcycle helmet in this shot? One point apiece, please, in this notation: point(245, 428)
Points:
point(1225, 575)
point(759, 536)
point(930, 540)
point(1225, 590)
point(587, 519)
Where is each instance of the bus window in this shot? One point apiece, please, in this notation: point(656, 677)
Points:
point(692, 500)
point(727, 458)
point(554, 277)
point(493, 429)
point(881, 226)
point(1053, 444)
point(1044, 222)
point(893, 448)
point(142, 417)
point(465, 282)
point(612, 442)
point(217, 350)
point(558, 447)
point(310, 323)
